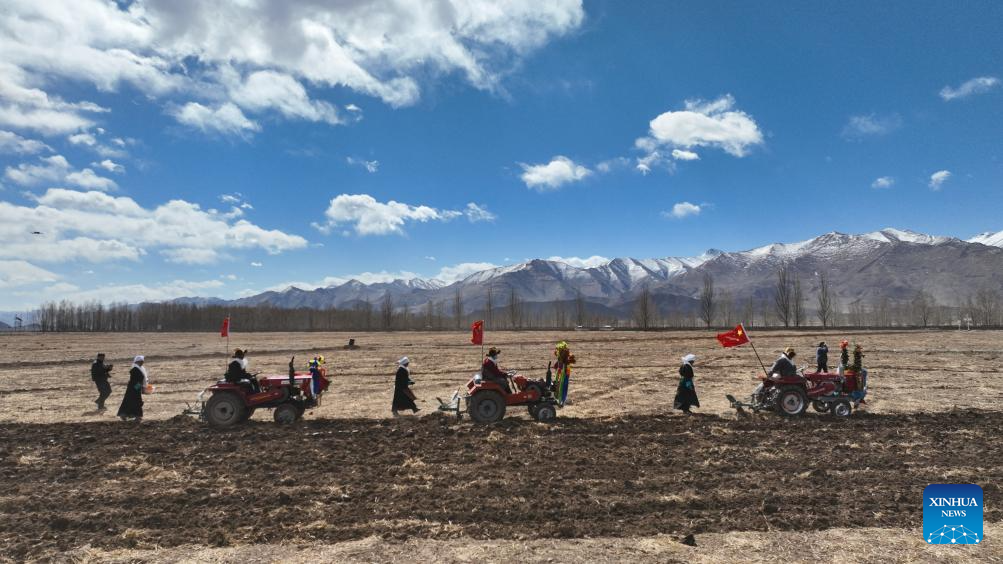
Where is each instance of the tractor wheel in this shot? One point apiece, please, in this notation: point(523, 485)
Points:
point(546, 413)
point(487, 407)
point(820, 406)
point(842, 408)
point(225, 410)
point(792, 401)
point(285, 414)
point(532, 409)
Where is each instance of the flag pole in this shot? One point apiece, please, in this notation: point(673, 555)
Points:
point(751, 344)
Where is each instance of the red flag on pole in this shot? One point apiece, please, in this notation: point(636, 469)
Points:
point(733, 338)
point(225, 331)
point(477, 329)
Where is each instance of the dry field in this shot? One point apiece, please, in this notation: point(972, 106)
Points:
point(617, 477)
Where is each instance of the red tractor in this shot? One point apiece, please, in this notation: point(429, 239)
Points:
point(288, 395)
point(825, 391)
point(487, 400)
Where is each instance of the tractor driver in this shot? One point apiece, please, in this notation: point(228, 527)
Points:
point(492, 372)
point(236, 371)
point(784, 366)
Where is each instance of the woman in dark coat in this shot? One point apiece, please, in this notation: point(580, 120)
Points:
point(403, 396)
point(132, 403)
point(686, 394)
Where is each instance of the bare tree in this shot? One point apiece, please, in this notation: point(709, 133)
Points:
point(922, 306)
point(458, 307)
point(643, 310)
point(986, 307)
point(824, 310)
point(514, 309)
point(749, 312)
point(783, 294)
point(579, 308)
point(797, 302)
point(387, 311)
point(707, 303)
point(489, 307)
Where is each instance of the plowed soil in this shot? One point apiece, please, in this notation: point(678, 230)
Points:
point(173, 482)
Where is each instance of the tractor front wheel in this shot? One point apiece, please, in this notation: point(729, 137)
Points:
point(842, 408)
point(546, 413)
point(487, 407)
point(225, 410)
point(792, 401)
point(286, 414)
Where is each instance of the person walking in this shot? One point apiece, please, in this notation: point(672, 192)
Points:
point(100, 373)
point(403, 396)
point(822, 357)
point(686, 393)
point(132, 403)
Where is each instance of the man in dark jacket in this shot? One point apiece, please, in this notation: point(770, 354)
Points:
point(822, 357)
point(784, 366)
point(100, 372)
point(236, 372)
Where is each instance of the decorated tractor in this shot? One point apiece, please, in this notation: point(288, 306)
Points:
point(838, 394)
point(289, 396)
point(487, 400)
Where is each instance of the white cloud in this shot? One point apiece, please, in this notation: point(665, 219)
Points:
point(259, 55)
point(110, 166)
point(93, 226)
point(54, 170)
point(938, 179)
point(130, 293)
point(90, 141)
point(476, 213)
point(15, 273)
point(257, 264)
point(226, 119)
point(12, 143)
point(559, 171)
point(24, 106)
point(430, 257)
point(681, 155)
point(716, 124)
point(610, 165)
point(370, 166)
point(589, 262)
point(978, 85)
point(370, 217)
point(683, 209)
point(871, 125)
point(883, 182)
point(457, 272)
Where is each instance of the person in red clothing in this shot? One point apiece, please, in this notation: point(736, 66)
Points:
point(492, 372)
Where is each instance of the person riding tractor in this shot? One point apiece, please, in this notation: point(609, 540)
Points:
point(492, 372)
point(784, 365)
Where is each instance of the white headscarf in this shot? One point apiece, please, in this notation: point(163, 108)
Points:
point(690, 358)
point(403, 363)
point(135, 364)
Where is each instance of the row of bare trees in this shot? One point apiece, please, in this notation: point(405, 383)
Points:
point(786, 307)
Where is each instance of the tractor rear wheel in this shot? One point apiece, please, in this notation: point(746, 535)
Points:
point(820, 406)
point(842, 408)
point(546, 413)
point(225, 410)
point(487, 407)
point(286, 414)
point(792, 401)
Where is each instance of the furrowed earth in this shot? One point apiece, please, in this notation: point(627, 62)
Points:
point(618, 476)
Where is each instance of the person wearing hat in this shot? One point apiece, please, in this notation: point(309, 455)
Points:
point(100, 372)
point(686, 394)
point(403, 396)
point(132, 403)
point(822, 357)
point(784, 366)
point(236, 371)
point(492, 372)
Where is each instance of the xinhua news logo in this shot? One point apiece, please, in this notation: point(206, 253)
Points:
point(952, 514)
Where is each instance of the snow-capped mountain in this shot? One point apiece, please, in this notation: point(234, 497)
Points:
point(890, 263)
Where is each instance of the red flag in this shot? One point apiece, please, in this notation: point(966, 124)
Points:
point(225, 331)
point(733, 338)
point(477, 329)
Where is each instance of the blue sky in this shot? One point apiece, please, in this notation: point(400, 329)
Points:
point(284, 133)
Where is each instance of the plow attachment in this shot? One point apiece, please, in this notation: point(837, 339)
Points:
point(452, 406)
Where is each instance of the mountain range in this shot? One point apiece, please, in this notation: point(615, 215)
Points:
point(890, 263)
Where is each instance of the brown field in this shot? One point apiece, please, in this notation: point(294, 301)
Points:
point(617, 477)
